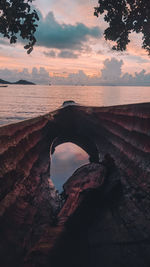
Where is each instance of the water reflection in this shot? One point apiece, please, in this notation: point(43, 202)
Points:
point(21, 102)
point(65, 160)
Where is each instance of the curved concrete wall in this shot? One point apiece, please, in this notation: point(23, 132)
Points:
point(29, 202)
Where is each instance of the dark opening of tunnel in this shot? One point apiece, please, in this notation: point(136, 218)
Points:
point(65, 159)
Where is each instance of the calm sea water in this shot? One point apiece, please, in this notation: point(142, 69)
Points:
point(19, 102)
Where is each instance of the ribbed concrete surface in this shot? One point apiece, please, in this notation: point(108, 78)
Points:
point(119, 232)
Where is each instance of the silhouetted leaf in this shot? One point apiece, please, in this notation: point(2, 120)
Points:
point(17, 17)
point(124, 17)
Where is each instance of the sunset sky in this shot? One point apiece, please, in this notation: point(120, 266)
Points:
point(69, 39)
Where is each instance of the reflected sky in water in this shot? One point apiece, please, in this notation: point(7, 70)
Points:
point(65, 160)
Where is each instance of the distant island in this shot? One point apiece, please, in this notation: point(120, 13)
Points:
point(22, 82)
point(4, 82)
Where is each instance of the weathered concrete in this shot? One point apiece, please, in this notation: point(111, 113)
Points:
point(109, 224)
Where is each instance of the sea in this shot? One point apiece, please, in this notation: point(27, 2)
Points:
point(20, 102)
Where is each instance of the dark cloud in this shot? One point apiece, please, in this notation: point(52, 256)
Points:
point(61, 54)
point(39, 76)
point(100, 52)
point(111, 70)
point(52, 34)
point(51, 53)
point(111, 73)
point(67, 54)
point(4, 41)
point(138, 59)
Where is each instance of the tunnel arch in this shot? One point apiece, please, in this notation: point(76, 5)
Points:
point(83, 142)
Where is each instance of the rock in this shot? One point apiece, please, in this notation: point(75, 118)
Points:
point(83, 180)
point(104, 220)
point(68, 102)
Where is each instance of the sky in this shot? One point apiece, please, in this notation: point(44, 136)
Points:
point(71, 48)
point(65, 160)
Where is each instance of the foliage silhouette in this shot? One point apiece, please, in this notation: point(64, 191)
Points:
point(124, 17)
point(18, 18)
